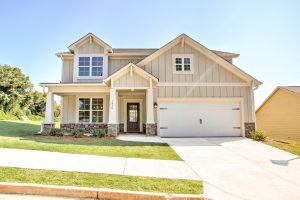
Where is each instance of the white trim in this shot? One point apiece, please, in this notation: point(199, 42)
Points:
point(240, 100)
point(131, 88)
point(121, 72)
point(96, 39)
point(90, 97)
point(140, 101)
point(76, 66)
point(182, 56)
point(206, 84)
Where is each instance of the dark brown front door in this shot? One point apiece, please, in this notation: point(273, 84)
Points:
point(133, 117)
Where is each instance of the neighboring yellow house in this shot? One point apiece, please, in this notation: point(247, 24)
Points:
point(279, 115)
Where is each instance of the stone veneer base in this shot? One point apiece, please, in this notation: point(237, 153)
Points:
point(151, 129)
point(249, 126)
point(113, 130)
point(86, 128)
point(47, 128)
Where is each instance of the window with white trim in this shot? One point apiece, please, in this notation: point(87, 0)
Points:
point(182, 63)
point(90, 110)
point(90, 66)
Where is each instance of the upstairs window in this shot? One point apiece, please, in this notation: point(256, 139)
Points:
point(183, 63)
point(90, 66)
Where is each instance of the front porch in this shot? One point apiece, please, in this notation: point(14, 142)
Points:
point(123, 103)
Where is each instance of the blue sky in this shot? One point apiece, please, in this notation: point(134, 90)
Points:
point(266, 34)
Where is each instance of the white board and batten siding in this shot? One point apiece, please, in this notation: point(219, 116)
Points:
point(206, 81)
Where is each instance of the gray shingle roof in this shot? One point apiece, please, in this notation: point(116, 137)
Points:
point(295, 89)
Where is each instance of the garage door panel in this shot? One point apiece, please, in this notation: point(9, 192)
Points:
point(199, 119)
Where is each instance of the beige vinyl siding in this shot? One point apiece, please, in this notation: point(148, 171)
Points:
point(68, 109)
point(116, 63)
point(90, 48)
point(67, 70)
point(280, 115)
point(205, 71)
point(131, 81)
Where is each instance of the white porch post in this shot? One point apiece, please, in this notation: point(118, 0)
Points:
point(113, 107)
point(113, 121)
point(49, 114)
point(149, 107)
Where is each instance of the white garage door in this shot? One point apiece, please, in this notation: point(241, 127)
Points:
point(198, 118)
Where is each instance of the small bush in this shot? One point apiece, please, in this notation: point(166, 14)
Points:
point(258, 135)
point(101, 132)
point(56, 132)
point(35, 118)
point(7, 116)
point(78, 133)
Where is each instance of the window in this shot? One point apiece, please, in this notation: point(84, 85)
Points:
point(182, 63)
point(90, 66)
point(84, 66)
point(91, 110)
point(97, 66)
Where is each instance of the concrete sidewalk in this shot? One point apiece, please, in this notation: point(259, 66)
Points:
point(95, 164)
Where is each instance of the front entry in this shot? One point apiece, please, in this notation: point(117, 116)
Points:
point(133, 117)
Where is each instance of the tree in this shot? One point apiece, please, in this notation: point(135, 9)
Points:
point(15, 91)
point(38, 106)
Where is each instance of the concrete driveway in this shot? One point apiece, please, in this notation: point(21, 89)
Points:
point(239, 168)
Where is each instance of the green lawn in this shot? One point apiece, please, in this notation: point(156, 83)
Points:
point(17, 134)
point(121, 182)
point(291, 146)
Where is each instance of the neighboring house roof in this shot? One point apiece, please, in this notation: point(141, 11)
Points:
point(293, 89)
point(183, 38)
point(90, 36)
point(130, 67)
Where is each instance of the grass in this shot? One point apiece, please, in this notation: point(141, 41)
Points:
point(121, 182)
point(17, 134)
point(291, 146)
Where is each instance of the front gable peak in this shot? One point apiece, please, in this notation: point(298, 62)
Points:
point(90, 37)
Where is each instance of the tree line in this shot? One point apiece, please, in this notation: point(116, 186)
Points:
point(18, 97)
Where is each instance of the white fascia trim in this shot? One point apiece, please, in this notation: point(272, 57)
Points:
point(207, 84)
point(71, 84)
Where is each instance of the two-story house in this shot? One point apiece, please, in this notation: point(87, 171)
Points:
point(182, 89)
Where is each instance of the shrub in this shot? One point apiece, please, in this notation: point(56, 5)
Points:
point(78, 133)
point(258, 135)
point(7, 116)
point(35, 118)
point(56, 132)
point(101, 132)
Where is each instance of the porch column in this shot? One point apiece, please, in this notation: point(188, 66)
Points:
point(113, 124)
point(150, 124)
point(49, 113)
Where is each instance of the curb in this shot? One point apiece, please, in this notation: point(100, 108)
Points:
point(84, 192)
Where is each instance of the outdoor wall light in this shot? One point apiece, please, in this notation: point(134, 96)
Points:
point(155, 105)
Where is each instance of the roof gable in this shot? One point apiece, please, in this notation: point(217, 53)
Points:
point(90, 37)
point(132, 68)
point(183, 38)
point(295, 90)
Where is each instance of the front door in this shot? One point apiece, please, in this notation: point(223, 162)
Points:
point(133, 117)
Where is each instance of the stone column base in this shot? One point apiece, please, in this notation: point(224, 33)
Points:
point(47, 128)
point(113, 130)
point(151, 129)
point(249, 126)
